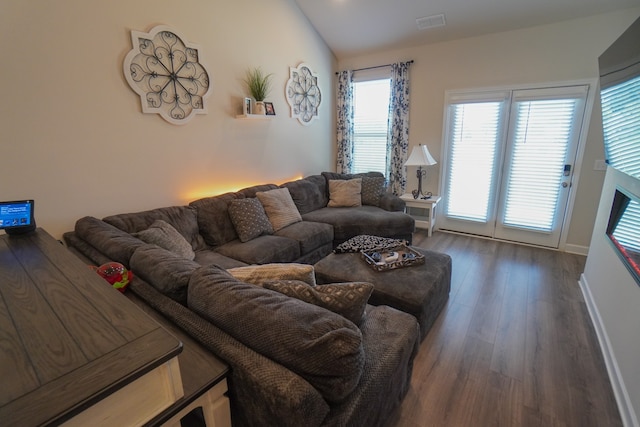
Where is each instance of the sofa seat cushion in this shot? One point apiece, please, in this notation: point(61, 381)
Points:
point(309, 235)
point(350, 222)
point(262, 250)
point(322, 347)
point(182, 218)
point(116, 244)
point(168, 272)
point(209, 256)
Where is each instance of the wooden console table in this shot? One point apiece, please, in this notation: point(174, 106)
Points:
point(72, 349)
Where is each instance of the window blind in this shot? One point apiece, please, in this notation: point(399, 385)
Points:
point(370, 125)
point(621, 126)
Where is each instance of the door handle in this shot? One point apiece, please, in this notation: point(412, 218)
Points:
point(565, 184)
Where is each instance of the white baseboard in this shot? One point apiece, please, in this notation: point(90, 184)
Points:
point(576, 249)
point(627, 413)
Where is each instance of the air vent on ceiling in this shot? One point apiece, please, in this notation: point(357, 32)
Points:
point(432, 21)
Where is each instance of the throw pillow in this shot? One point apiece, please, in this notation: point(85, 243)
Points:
point(259, 274)
point(249, 219)
point(279, 207)
point(345, 193)
point(346, 299)
point(365, 242)
point(372, 189)
point(163, 234)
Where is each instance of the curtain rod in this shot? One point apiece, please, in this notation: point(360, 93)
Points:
point(375, 66)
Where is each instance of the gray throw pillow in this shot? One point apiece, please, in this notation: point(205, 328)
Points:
point(163, 234)
point(249, 219)
point(372, 189)
point(346, 299)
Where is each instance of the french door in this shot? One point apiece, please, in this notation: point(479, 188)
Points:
point(509, 160)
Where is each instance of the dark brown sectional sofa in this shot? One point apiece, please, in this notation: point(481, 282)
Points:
point(355, 375)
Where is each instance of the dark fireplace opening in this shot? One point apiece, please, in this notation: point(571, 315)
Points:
point(623, 230)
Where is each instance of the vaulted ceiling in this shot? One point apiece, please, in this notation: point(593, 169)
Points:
point(355, 27)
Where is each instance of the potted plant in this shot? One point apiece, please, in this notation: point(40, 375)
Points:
point(259, 85)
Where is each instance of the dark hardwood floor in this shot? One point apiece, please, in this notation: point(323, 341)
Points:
point(514, 346)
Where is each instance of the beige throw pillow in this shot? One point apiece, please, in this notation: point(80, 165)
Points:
point(280, 208)
point(345, 193)
point(259, 274)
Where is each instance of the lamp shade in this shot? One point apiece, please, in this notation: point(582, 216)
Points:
point(420, 156)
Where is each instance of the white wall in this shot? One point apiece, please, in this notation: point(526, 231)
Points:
point(613, 298)
point(73, 135)
point(559, 52)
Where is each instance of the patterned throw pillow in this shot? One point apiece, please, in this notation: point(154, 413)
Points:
point(259, 274)
point(279, 207)
point(365, 242)
point(163, 234)
point(345, 193)
point(372, 189)
point(346, 299)
point(249, 219)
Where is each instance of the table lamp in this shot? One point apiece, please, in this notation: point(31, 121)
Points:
point(420, 157)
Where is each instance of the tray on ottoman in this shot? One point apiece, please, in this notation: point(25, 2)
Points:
point(378, 259)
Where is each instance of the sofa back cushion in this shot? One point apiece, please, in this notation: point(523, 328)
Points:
point(116, 244)
point(308, 194)
point(214, 221)
point(322, 347)
point(373, 184)
point(182, 218)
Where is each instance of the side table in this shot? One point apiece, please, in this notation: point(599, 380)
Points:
point(422, 210)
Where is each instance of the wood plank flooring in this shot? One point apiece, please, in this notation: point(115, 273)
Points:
point(514, 346)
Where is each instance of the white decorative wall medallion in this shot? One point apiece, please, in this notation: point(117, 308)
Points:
point(303, 94)
point(167, 74)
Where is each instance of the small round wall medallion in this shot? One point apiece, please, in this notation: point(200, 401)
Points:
point(167, 74)
point(303, 94)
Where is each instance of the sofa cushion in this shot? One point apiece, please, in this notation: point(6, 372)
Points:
point(279, 207)
point(166, 271)
point(182, 218)
point(309, 193)
point(322, 347)
point(372, 190)
point(262, 250)
point(346, 299)
point(345, 193)
point(209, 256)
point(259, 274)
point(309, 235)
point(249, 219)
point(213, 219)
point(350, 222)
point(161, 233)
point(116, 244)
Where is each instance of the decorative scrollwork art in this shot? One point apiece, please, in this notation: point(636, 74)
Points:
point(303, 94)
point(167, 74)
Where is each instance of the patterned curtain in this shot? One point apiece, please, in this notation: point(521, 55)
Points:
point(398, 139)
point(344, 126)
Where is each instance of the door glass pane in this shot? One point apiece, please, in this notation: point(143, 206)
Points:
point(539, 148)
point(473, 146)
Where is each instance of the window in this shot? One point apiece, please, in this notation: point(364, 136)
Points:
point(370, 125)
point(621, 125)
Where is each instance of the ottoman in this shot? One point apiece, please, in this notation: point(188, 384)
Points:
point(420, 290)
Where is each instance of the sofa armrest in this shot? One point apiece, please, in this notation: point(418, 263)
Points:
point(392, 203)
point(262, 392)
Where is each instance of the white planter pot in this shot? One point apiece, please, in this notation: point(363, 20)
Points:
point(259, 108)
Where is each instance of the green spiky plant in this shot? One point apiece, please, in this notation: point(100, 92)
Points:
point(258, 83)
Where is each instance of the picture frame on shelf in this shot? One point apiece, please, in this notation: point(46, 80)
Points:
point(246, 106)
point(269, 110)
